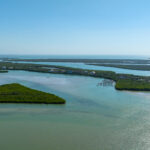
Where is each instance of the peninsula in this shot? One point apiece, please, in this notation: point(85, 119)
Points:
point(16, 93)
point(123, 81)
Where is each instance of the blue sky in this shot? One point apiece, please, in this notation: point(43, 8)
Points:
point(75, 27)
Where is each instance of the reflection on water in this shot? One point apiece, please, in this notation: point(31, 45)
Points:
point(93, 118)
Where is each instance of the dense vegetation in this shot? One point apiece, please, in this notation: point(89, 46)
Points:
point(124, 66)
point(132, 85)
point(122, 80)
point(16, 93)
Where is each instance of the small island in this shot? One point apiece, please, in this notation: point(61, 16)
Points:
point(16, 93)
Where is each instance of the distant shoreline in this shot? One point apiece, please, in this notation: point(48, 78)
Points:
point(125, 66)
point(123, 61)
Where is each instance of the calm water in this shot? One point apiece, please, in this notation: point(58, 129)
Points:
point(94, 118)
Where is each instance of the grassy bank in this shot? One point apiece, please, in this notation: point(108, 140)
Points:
point(16, 93)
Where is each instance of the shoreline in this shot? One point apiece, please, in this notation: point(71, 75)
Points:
point(123, 81)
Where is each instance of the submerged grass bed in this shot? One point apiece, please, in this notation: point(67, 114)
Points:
point(16, 93)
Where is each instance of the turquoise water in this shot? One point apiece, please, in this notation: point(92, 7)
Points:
point(94, 118)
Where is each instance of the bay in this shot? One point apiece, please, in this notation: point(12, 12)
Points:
point(93, 117)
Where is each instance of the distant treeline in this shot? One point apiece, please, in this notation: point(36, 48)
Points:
point(126, 61)
point(124, 66)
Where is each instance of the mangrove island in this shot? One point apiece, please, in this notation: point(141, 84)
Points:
point(16, 93)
